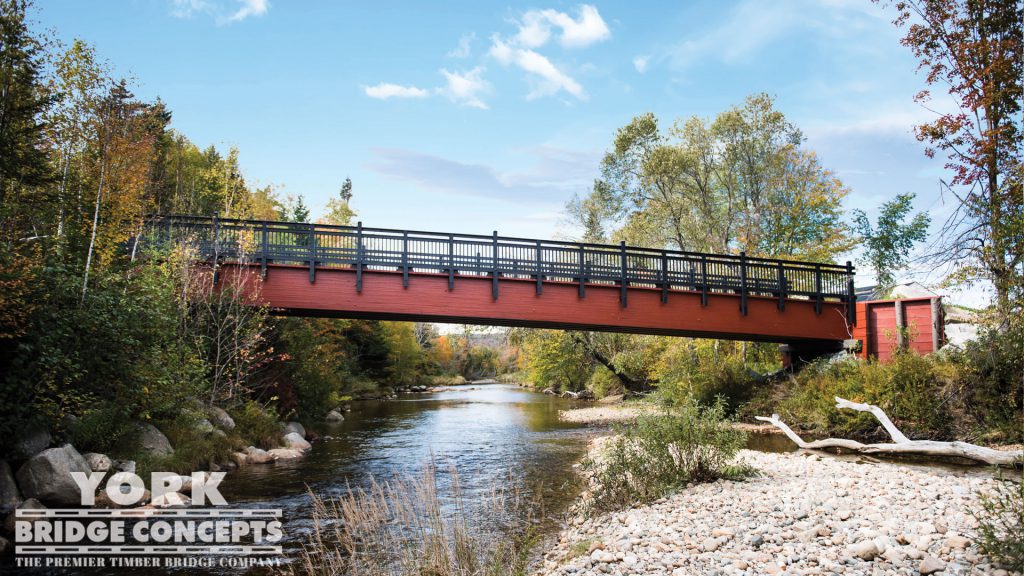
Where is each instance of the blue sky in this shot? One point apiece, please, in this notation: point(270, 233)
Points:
point(475, 116)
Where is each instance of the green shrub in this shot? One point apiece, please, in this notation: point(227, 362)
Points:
point(257, 425)
point(706, 370)
point(1001, 524)
point(101, 428)
point(661, 452)
point(995, 363)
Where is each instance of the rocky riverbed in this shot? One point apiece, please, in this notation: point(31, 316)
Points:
point(805, 514)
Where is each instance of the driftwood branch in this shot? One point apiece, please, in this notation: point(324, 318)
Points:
point(901, 444)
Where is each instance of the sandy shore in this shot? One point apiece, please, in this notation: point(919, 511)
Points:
point(805, 514)
point(617, 413)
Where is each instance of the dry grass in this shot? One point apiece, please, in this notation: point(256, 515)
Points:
point(404, 527)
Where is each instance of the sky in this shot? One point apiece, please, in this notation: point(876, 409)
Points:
point(474, 116)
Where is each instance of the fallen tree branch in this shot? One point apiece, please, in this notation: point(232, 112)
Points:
point(901, 444)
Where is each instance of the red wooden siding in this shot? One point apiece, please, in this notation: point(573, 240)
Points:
point(879, 334)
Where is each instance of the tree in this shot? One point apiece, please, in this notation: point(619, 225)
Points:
point(975, 50)
point(887, 245)
point(337, 211)
point(299, 211)
point(24, 161)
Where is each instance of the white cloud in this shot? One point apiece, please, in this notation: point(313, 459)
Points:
point(218, 10)
point(465, 88)
point(588, 28)
point(249, 8)
point(641, 62)
point(545, 77)
point(465, 48)
point(384, 90)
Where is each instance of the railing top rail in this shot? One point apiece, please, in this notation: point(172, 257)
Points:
point(304, 227)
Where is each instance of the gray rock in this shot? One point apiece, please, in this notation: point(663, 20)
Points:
point(285, 453)
point(930, 565)
point(220, 418)
point(296, 442)
point(171, 500)
point(97, 462)
point(296, 428)
point(10, 497)
point(865, 550)
point(204, 426)
point(30, 504)
point(334, 416)
point(257, 456)
point(47, 475)
point(124, 465)
point(34, 440)
point(152, 440)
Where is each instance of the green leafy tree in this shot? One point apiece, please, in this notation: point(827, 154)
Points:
point(888, 243)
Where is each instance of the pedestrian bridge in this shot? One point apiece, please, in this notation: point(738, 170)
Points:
point(375, 273)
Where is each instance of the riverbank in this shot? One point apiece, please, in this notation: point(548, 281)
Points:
point(604, 415)
point(804, 514)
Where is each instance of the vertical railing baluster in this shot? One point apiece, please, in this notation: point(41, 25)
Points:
point(664, 277)
point(405, 259)
point(263, 251)
point(540, 277)
point(623, 284)
point(817, 289)
point(312, 253)
point(703, 280)
point(743, 283)
point(782, 287)
point(359, 256)
point(583, 280)
point(494, 274)
point(451, 262)
point(851, 295)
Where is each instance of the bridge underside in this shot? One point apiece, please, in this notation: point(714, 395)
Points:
point(287, 290)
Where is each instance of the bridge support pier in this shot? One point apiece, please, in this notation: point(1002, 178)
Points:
point(798, 354)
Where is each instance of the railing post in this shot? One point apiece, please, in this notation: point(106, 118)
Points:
point(623, 288)
point(851, 296)
point(817, 289)
point(703, 280)
point(405, 259)
point(359, 256)
point(540, 277)
point(494, 275)
point(782, 287)
point(264, 243)
point(583, 280)
point(216, 247)
point(743, 283)
point(664, 277)
point(312, 253)
point(451, 262)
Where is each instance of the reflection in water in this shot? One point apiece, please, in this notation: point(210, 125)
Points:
point(493, 435)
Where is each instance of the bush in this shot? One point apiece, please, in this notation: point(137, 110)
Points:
point(995, 362)
point(706, 370)
point(660, 452)
point(100, 429)
point(1001, 524)
point(256, 425)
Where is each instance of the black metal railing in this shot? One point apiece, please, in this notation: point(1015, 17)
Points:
point(407, 251)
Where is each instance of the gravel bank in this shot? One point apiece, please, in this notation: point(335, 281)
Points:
point(604, 415)
point(806, 514)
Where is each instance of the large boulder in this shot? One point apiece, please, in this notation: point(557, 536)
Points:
point(295, 427)
point(220, 418)
point(257, 456)
point(32, 441)
point(10, 497)
point(47, 476)
point(285, 453)
point(12, 517)
point(296, 442)
point(152, 440)
point(334, 416)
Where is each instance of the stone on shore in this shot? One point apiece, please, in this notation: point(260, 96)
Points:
point(220, 418)
point(12, 517)
point(334, 416)
point(804, 513)
point(171, 500)
point(285, 453)
point(47, 476)
point(97, 462)
point(257, 456)
point(295, 427)
point(152, 440)
point(10, 496)
point(32, 441)
point(296, 442)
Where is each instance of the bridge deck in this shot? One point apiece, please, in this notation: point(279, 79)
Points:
point(354, 271)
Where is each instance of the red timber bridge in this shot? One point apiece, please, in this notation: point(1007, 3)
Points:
point(374, 273)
